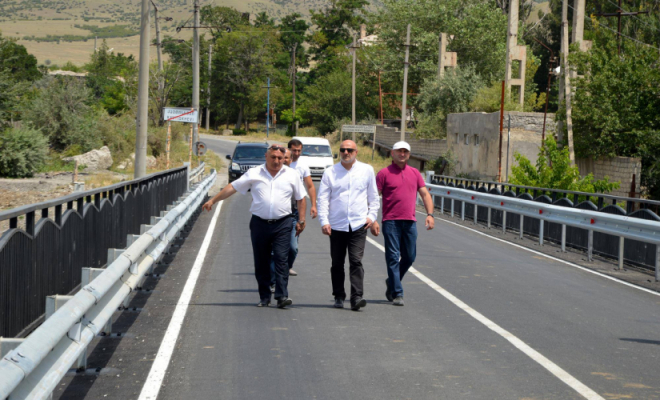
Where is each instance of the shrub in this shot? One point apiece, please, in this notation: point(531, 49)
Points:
point(22, 152)
point(239, 132)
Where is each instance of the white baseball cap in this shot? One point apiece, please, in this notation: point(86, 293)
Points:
point(401, 145)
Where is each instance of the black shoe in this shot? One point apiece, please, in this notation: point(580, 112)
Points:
point(339, 303)
point(359, 303)
point(388, 295)
point(263, 303)
point(398, 301)
point(283, 302)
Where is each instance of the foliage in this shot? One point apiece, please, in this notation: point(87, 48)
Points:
point(440, 97)
point(105, 32)
point(12, 96)
point(443, 165)
point(22, 152)
point(63, 112)
point(15, 60)
point(106, 71)
point(553, 170)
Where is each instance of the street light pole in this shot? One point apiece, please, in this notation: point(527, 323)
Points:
point(142, 119)
point(208, 92)
point(195, 93)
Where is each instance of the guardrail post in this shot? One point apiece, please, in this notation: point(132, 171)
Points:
point(87, 276)
point(541, 233)
point(187, 165)
point(145, 228)
point(442, 205)
point(462, 211)
point(53, 303)
point(621, 241)
point(488, 218)
point(8, 344)
point(113, 254)
point(476, 210)
point(563, 238)
point(504, 222)
point(657, 262)
point(590, 248)
point(452, 208)
point(130, 239)
point(522, 219)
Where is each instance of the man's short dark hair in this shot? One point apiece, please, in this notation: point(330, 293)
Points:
point(294, 142)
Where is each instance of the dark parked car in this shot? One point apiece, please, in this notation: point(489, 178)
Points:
point(246, 156)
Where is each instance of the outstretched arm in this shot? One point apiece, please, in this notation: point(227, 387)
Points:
point(224, 193)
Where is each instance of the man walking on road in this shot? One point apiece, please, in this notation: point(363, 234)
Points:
point(272, 185)
point(348, 205)
point(399, 184)
point(296, 146)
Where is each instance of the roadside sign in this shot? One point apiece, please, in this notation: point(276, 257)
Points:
point(181, 114)
point(200, 148)
point(359, 128)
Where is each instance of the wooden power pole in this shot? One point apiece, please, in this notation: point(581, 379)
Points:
point(567, 79)
point(404, 112)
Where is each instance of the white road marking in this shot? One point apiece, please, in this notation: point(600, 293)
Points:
point(157, 373)
point(554, 369)
point(552, 258)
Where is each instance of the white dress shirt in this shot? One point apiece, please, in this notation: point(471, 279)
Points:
point(303, 170)
point(348, 197)
point(271, 195)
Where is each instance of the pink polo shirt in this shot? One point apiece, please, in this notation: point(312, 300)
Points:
point(399, 188)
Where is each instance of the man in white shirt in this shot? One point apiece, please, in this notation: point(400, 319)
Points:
point(272, 185)
point(296, 146)
point(348, 205)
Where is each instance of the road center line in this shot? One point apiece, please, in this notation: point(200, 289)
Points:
point(554, 369)
point(159, 367)
point(574, 265)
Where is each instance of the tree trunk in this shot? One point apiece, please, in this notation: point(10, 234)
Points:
point(240, 117)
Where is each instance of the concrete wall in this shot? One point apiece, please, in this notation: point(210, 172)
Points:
point(481, 153)
point(618, 169)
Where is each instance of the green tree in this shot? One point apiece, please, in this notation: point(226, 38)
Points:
point(107, 73)
point(553, 170)
point(15, 60)
point(22, 152)
point(220, 18)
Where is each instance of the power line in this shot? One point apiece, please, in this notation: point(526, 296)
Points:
point(634, 16)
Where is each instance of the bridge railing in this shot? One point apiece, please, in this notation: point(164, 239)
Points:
point(47, 244)
point(37, 364)
point(608, 231)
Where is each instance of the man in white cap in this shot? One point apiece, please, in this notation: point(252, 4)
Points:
point(399, 184)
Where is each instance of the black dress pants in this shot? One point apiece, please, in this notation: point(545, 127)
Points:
point(354, 242)
point(267, 237)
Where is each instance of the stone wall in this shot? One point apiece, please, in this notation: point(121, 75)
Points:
point(422, 150)
point(618, 169)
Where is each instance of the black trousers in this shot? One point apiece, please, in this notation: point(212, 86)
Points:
point(267, 237)
point(354, 242)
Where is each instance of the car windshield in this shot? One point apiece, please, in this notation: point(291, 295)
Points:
point(316, 150)
point(243, 153)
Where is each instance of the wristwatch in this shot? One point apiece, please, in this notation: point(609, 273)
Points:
point(430, 215)
point(301, 222)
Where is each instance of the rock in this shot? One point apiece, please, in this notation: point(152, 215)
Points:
point(227, 132)
point(94, 160)
point(151, 162)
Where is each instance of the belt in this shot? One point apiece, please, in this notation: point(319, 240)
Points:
point(271, 221)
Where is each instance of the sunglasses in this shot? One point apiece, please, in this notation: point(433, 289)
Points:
point(278, 148)
point(346, 150)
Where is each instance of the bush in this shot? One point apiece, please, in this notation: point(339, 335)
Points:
point(239, 132)
point(22, 152)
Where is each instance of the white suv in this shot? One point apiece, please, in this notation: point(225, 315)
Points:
point(316, 154)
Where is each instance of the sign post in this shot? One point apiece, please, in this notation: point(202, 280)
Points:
point(179, 114)
point(361, 129)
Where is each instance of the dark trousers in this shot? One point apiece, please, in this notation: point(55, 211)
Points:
point(400, 252)
point(354, 242)
point(266, 238)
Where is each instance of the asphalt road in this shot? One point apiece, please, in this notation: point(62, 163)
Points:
point(601, 333)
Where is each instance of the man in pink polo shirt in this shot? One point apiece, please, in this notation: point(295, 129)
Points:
point(399, 184)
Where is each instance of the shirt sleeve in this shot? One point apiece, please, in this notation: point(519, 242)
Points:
point(372, 196)
point(380, 180)
point(299, 191)
point(244, 183)
point(323, 197)
point(305, 171)
point(420, 180)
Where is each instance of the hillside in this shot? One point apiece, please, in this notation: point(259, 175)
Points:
point(76, 22)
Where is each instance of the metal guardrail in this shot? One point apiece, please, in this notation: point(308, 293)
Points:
point(48, 243)
point(36, 366)
point(623, 227)
point(196, 173)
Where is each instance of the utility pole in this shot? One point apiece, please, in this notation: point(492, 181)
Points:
point(293, 75)
point(354, 47)
point(195, 93)
point(405, 87)
point(618, 14)
point(268, 110)
point(567, 80)
point(208, 92)
point(161, 84)
point(515, 53)
point(142, 119)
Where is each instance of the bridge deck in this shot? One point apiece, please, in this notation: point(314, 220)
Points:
point(599, 332)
